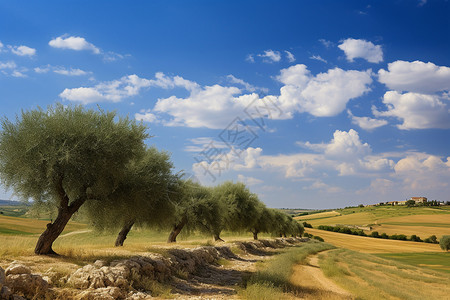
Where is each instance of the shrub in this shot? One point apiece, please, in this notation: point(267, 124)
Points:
point(307, 225)
point(318, 238)
point(445, 242)
point(432, 240)
point(375, 234)
point(415, 238)
point(384, 236)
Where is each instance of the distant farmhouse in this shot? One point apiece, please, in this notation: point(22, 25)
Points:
point(417, 200)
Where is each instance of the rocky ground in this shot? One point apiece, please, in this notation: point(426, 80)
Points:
point(201, 273)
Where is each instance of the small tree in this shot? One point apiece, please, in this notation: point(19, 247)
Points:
point(141, 197)
point(66, 156)
point(241, 207)
point(265, 222)
point(410, 203)
point(195, 209)
point(445, 242)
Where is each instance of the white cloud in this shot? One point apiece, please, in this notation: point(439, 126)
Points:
point(73, 43)
point(1, 46)
point(270, 56)
point(146, 115)
point(70, 72)
point(423, 173)
point(42, 70)
point(366, 123)
point(10, 68)
point(23, 50)
point(17, 73)
point(7, 65)
point(202, 144)
point(323, 187)
point(249, 180)
point(323, 95)
point(211, 107)
point(415, 76)
point(249, 87)
point(417, 111)
point(290, 57)
point(357, 48)
point(326, 43)
point(250, 58)
point(318, 57)
point(127, 86)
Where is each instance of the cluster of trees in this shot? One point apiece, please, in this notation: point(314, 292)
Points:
point(445, 242)
point(70, 157)
point(375, 234)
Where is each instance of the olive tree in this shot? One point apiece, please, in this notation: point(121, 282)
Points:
point(241, 207)
point(264, 222)
point(141, 197)
point(444, 242)
point(195, 210)
point(66, 156)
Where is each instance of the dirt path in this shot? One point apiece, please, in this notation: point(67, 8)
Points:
point(314, 284)
point(75, 232)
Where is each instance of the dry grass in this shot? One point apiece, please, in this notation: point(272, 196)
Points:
point(362, 218)
point(370, 277)
point(318, 215)
point(32, 226)
point(372, 245)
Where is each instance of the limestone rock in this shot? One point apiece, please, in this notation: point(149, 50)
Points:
point(28, 285)
point(16, 268)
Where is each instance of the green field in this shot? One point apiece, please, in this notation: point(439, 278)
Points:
point(439, 261)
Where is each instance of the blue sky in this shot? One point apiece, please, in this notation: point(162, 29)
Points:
point(313, 104)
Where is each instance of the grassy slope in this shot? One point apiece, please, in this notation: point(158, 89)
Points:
point(437, 261)
point(371, 277)
point(422, 221)
point(372, 245)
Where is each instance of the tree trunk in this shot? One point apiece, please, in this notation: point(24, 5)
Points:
point(123, 233)
point(45, 241)
point(176, 231)
point(65, 212)
point(217, 238)
point(255, 235)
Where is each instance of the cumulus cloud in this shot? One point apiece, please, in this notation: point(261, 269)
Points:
point(416, 111)
point(423, 173)
point(127, 86)
point(366, 123)
point(323, 95)
point(270, 56)
point(357, 48)
point(23, 50)
point(146, 115)
point(416, 76)
point(211, 106)
point(248, 180)
point(73, 43)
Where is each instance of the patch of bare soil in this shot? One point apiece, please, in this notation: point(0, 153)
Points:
point(314, 284)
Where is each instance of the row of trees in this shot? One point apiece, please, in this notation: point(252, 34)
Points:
point(71, 157)
point(375, 234)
